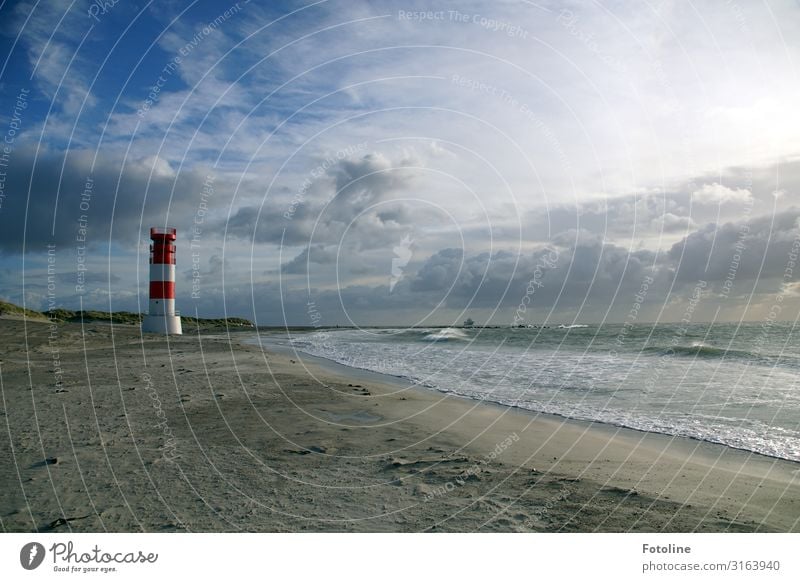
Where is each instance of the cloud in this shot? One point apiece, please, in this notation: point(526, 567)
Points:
point(467, 134)
point(590, 277)
point(52, 196)
point(160, 167)
point(660, 216)
point(670, 222)
point(585, 269)
point(215, 265)
point(197, 274)
point(743, 251)
point(365, 182)
point(440, 271)
point(354, 196)
point(319, 254)
point(718, 194)
point(47, 32)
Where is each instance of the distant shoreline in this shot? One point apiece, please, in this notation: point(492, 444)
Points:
point(60, 315)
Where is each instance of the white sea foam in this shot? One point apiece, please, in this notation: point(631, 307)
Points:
point(447, 334)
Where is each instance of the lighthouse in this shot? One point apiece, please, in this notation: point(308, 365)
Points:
point(162, 317)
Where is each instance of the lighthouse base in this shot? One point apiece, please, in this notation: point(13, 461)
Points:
point(165, 324)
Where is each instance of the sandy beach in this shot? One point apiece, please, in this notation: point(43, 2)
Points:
point(104, 430)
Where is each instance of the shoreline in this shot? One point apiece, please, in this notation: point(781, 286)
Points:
point(403, 381)
point(265, 441)
point(721, 457)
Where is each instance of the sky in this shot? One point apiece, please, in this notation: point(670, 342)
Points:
point(405, 163)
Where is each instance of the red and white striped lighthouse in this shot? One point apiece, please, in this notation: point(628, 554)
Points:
point(161, 317)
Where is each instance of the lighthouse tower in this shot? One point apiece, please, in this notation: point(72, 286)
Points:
point(162, 317)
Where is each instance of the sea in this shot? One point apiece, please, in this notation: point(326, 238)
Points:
point(733, 384)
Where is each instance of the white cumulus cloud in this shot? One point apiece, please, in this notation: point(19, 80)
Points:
point(718, 194)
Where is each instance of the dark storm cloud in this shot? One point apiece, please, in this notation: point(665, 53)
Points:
point(567, 274)
point(53, 198)
point(319, 254)
point(364, 182)
point(398, 215)
point(353, 197)
point(439, 271)
point(743, 250)
point(578, 270)
point(602, 275)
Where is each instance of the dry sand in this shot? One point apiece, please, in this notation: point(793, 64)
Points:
point(223, 437)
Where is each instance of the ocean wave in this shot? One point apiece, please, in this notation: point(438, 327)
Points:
point(705, 351)
point(573, 326)
point(447, 334)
